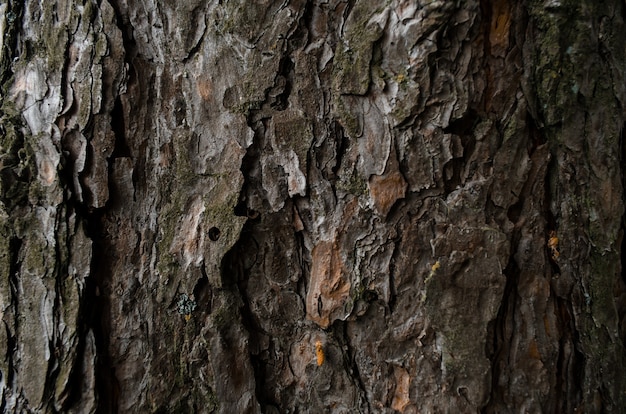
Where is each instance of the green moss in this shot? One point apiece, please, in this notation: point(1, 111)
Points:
point(351, 73)
point(54, 39)
point(240, 20)
point(226, 313)
point(184, 176)
point(351, 63)
point(212, 403)
point(89, 11)
point(563, 50)
point(548, 62)
point(183, 188)
point(101, 46)
point(241, 99)
point(348, 120)
point(295, 133)
point(221, 317)
point(354, 184)
point(224, 317)
point(36, 250)
point(424, 294)
point(179, 187)
point(408, 98)
point(169, 225)
point(17, 157)
point(84, 109)
point(512, 129)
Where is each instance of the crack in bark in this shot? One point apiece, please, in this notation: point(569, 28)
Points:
point(196, 48)
point(393, 294)
point(96, 299)
point(570, 362)
point(97, 312)
point(118, 126)
point(15, 245)
point(283, 84)
point(454, 171)
point(10, 43)
point(350, 365)
point(500, 331)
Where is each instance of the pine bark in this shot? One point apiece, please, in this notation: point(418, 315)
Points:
point(312, 206)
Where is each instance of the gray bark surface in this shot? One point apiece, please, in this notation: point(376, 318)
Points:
point(312, 206)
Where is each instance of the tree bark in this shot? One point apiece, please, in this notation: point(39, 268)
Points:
point(312, 206)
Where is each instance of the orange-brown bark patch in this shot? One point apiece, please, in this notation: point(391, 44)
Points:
point(385, 190)
point(328, 288)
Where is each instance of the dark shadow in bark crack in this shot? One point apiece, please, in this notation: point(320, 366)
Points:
point(499, 334)
point(97, 316)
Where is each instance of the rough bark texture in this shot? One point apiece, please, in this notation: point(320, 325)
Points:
point(312, 206)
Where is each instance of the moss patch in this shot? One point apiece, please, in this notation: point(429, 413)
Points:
point(17, 159)
point(351, 64)
point(354, 184)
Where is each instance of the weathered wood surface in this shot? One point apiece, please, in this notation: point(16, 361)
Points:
point(312, 206)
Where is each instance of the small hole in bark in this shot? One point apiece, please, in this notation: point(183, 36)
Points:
point(240, 209)
point(214, 233)
point(252, 214)
point(514, 212)
point(370, 296)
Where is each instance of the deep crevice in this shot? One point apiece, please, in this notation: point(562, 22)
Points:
point(463, 128)
point(536, 137)
point(465, 125)
point(97, 303)
point(15, 244)
point(551, 221)
point(123, 23)
point(118, 127)
point(236, 263)
point(499, 332)
point(299, 39)
point(348, 9)
point(97, 315)
point(13, 17)
point(251, 170)
point(452, 174)
point(74, 387)
point(486, 12)
point(515, 210)
point(393, 294)
point(340, 332)
point(195, 48)
point(252, 202)
point(283, 83)
point(570, 361)
point(342, 142)
point(202, 291)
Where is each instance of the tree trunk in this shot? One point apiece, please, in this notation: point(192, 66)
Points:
point(312, 206)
